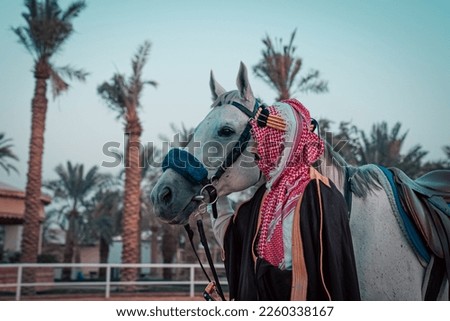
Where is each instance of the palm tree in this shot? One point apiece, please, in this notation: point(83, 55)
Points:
point(6, 154)
point(345, 141)
point(151, 171)
point(446, 150)
point(123, 96)
point(436, 164)
point(47, 28)
point(103, 211)
point(73, 187)
point(280, 69)
point(383, 146)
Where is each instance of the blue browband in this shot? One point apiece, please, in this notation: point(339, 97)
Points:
point(185, 164)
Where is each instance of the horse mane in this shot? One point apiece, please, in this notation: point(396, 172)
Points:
point(363, 178)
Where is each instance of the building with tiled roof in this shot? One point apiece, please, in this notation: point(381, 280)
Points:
point(12, 207)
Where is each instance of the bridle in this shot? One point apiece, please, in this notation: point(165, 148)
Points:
point(192, 169)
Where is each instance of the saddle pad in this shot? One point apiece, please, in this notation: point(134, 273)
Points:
point(412, 233)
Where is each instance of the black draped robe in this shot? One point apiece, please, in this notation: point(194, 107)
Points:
point(249, 280)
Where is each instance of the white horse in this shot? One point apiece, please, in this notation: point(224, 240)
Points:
point(388, 267)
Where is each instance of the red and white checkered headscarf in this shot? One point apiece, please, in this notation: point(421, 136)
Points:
point(285, 158)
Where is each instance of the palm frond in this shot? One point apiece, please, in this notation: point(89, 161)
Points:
point(58, 84)
point(8, 168)
point(6, 155)
point(312, 83)
point(114, 93)
point(32, 6)
point(73, 184)
point(136, 84)
point(72, 73)
point(23, 39)
point(151, 83)
point(280, 69)
point(47, 26)
point(73, 10)
point(446, 150)
point(119, 93)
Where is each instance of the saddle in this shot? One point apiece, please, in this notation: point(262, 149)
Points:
point(427, 200)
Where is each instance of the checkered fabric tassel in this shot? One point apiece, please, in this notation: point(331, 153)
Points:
point(264, 118)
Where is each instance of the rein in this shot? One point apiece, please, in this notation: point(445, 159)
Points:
point(212, 285)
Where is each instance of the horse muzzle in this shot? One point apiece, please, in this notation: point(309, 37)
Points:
point(174, 198)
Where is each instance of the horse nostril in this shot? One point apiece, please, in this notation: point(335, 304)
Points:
point(166, 195)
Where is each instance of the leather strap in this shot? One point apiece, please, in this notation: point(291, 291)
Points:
point(319, 194)
point(299, 273)
point(190, 234)
point(437, 274)
point(204, 241)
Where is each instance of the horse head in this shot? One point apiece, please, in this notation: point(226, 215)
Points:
point(218, 159)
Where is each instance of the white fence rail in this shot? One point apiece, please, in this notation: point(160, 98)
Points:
point(107, 283)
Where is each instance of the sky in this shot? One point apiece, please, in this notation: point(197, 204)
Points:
point(384, 60)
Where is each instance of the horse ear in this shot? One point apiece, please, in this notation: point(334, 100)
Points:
point(216, 88)
point(243, 84)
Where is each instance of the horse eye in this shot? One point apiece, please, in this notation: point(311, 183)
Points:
point(225, 132)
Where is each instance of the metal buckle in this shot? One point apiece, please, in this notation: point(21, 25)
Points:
point(205, 192)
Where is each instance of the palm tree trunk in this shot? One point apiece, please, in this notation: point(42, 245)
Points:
point(132, 204)
point(283, 93)
point(70, 245)
point(77, 256)
point(169, 248)
point(104, 253)
point(154, 249)
point(31, 225)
